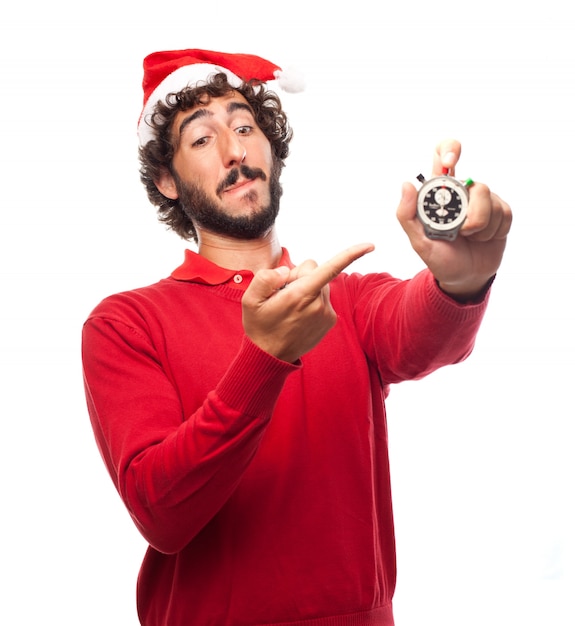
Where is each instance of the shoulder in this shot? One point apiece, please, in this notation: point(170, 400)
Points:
point(135, 302)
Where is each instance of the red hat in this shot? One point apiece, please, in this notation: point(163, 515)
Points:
point(168, 72)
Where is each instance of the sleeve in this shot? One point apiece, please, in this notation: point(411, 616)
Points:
point(410, 328)
point(173, 472)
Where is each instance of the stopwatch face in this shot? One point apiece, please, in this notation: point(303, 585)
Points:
point(443, 202)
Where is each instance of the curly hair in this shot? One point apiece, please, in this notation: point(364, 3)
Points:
point(157, 155)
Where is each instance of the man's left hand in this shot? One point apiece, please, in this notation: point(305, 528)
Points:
point(465, 266)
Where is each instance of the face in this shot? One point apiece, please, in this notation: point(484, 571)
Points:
point(224, 173)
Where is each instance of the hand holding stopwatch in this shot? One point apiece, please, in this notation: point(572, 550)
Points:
point(442, 205)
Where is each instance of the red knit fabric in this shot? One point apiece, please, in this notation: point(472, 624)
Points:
point(262, 487)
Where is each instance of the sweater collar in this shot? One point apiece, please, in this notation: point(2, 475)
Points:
point(198, 269)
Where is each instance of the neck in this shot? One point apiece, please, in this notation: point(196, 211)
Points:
point(253, 255)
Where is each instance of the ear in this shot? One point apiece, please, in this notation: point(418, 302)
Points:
point(167, 185)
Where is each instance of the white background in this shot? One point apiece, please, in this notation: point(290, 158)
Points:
point(482, 462)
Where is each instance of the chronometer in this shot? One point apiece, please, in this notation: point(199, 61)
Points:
point(442, 205)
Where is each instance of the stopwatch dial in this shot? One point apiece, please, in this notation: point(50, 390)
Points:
point(442, 196)
point(442, 205)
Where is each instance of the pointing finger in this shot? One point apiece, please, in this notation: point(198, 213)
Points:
point(327, 271)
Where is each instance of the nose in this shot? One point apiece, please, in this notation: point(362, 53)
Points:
point(234, 151)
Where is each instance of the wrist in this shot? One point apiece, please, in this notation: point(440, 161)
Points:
point(467, 292)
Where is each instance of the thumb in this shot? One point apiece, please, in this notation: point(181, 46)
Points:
point(407, 209)
point(266, 282)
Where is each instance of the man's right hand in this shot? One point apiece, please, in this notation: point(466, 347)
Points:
point(288, 322)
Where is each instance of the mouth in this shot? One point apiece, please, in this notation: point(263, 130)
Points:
point(241, 185)
point(233, 182)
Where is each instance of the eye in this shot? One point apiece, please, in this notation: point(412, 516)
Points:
point(202, 141)
point(244, 130)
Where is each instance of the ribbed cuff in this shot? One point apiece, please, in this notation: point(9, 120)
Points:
point(254, 380)
point(449, 307)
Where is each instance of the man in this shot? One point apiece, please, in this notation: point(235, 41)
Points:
point(239, 403)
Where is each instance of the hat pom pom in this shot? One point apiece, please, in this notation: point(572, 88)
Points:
point(290, 80)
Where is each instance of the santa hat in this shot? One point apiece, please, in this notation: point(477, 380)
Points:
point(172, 71)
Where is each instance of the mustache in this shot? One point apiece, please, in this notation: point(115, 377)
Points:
point(251, 173)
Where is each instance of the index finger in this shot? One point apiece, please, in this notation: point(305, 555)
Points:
point(326, 272)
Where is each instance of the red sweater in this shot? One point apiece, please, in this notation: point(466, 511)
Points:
point(261, 486)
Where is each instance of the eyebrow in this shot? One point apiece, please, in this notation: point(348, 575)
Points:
point(199, 113)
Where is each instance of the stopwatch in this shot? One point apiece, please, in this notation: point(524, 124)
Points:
point(442, 205)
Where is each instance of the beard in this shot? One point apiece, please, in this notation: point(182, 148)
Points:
point(206, 214)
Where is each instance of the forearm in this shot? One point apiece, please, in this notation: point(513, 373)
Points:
point(444, 327)
point(175, 471)
point(415, 328)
